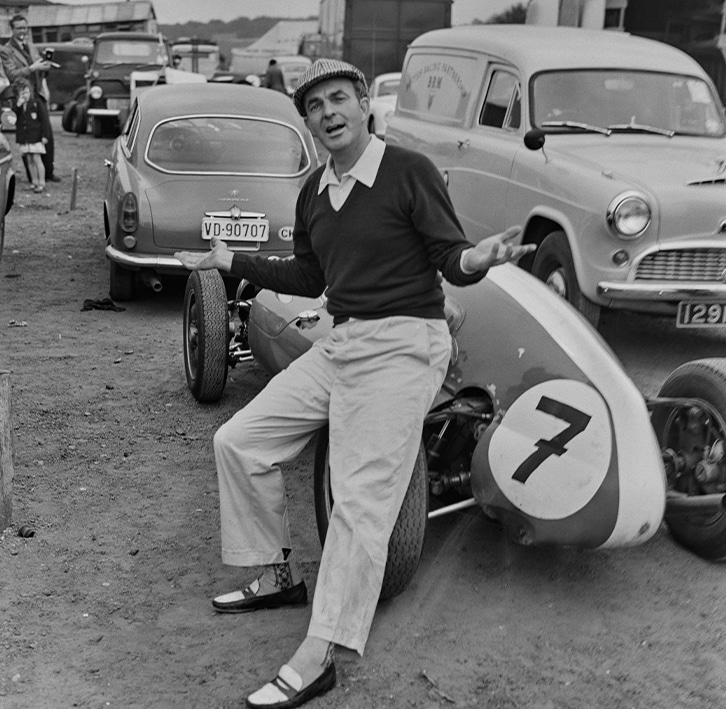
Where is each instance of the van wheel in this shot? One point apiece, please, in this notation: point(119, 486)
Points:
point(553, 264)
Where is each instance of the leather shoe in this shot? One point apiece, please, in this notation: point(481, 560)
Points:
point(284, 692)
point(53, 178)
point(246, 600)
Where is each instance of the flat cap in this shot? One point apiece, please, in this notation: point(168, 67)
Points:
point(322, 70)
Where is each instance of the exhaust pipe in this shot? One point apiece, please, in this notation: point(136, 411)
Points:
point(150, 279)
point(681, 504)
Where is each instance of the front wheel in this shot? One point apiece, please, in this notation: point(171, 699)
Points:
point(97, 127)
point(696, 437)
point(554, 265)
point(206, 335)
point(406, 543)
point(68, 115)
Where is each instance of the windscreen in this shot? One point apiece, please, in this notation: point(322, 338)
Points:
point(625, 100)
point(123, 51)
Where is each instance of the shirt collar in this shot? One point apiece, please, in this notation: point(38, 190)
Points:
point(364, 170)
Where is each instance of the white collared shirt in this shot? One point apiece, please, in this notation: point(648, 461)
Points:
point(364, 171)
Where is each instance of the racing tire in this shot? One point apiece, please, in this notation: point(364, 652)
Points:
point(206, 335)
point(121, 282)
point(704, 535)
point(80, 121)
point(553, 264)
point(67, 119)
point(407, 539)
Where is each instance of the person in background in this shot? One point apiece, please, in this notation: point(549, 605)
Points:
point(20, 60)
point(176, 61)
point(374, 229)
point(31, 131)
point(273, 77)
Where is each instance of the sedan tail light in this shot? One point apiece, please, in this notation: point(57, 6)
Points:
point(129, 213)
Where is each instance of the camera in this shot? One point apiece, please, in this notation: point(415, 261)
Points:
point(48, 54)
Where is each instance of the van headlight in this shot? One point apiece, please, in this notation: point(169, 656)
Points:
point(95, 92)
point(629, 214)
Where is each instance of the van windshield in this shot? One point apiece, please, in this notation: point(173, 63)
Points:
point(122, 51)
point(625, 101)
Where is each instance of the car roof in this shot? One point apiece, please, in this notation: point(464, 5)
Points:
point(388, 76)
point(127, 35)
point(215, 98)
point(536, 48)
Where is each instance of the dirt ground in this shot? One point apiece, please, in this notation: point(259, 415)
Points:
point(108, 604)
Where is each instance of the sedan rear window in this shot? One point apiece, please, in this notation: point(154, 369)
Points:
point(227, 145)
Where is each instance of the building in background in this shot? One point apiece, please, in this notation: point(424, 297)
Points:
point(374, 34)
point(54, 22)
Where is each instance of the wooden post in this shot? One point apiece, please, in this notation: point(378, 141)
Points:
point(6, 452)
point(74, 187)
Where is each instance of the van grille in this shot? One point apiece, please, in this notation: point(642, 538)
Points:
point(683, 265)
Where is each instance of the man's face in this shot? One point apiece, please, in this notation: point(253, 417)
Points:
point(335, 114)
point(20, 31)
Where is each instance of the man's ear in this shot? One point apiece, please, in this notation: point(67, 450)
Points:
point(365, 104)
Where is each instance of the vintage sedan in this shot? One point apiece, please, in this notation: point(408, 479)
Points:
point(383, 93)
point(197, 161)
point(608, 149)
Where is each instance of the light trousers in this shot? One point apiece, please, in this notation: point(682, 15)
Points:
point(373, 381)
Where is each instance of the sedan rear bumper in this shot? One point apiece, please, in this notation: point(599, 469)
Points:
point(124, 258)
point(660, 292)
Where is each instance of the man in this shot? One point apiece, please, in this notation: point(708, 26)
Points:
point(273, 77)
point(374, 227)
point(20, 59)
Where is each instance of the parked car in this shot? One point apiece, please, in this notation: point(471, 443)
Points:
point(608, 149)
point(7, 185)
point(196, 161)
point(383, 93)
point(66, 79)
point(105, 99)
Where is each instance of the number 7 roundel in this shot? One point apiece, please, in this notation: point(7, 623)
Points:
point(552, 449)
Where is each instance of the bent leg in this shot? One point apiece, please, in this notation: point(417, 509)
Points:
point(273, 428)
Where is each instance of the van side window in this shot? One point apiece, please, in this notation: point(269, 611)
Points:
point(503, 103)
point(438, 88)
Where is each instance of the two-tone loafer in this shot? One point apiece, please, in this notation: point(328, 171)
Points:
point(286, 690)
point(248, 600)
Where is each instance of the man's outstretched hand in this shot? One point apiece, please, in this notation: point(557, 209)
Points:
point(219, 257)
point(496, 250)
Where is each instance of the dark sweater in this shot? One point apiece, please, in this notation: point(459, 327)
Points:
point(381, 253)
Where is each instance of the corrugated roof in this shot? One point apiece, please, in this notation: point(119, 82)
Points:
point(57, 14)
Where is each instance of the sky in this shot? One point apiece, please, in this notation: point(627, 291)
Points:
point(180, 11)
